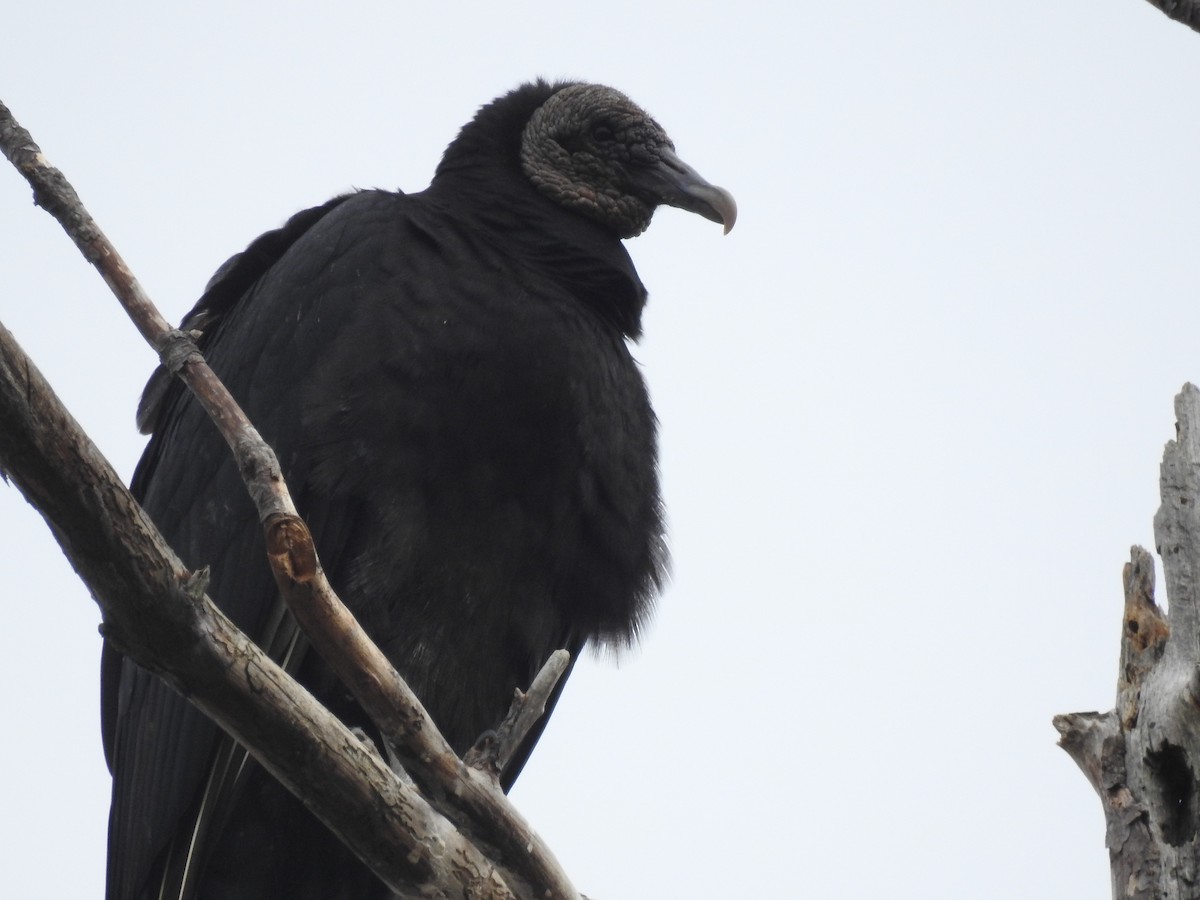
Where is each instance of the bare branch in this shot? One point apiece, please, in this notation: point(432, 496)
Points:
point(53, 193)
point(495, 750)
point(1185, 11)
point(155, 613)
point(473, 800)
point(476, 804)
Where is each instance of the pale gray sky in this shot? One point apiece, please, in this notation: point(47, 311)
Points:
point(912, 407)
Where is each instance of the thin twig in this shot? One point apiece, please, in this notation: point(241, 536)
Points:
point(495, 750)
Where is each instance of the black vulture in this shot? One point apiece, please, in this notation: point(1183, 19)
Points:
point(446, 379)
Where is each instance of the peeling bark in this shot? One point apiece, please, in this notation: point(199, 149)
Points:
point(1143, 757)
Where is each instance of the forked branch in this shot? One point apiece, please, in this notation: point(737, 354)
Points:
point(469, 797)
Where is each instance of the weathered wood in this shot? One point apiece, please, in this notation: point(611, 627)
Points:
point(156, 612)
point(1143, 757)
point(468, 797)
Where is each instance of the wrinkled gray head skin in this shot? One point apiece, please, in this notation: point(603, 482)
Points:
point(591, 149)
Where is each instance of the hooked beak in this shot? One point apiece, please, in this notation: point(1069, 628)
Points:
point(677, 184)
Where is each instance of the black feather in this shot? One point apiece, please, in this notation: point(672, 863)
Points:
point(446, 381)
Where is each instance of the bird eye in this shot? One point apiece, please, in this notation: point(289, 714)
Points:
point(602, 134)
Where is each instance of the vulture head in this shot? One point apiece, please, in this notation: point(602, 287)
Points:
point(591, 149)
point(586, 147)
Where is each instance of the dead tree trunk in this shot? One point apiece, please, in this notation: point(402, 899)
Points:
point(1143, 756)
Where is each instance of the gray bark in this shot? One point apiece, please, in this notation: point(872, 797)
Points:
point(1143, 756)
point(157, 612)
point(450, 831)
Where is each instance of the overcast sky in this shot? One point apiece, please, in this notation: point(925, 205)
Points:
point(912, 407)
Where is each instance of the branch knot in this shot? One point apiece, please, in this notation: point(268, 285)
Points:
point(290, 549)
point(176, 348)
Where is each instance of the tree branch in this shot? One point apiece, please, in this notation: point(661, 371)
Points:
point(474, 801)
point(1185, 11)
point(154, 613)
point(527, 709)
